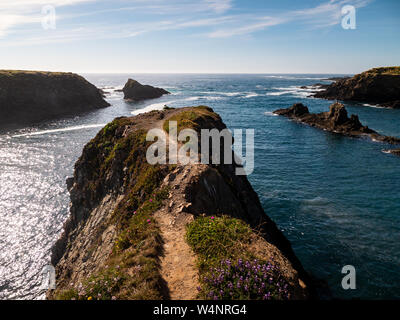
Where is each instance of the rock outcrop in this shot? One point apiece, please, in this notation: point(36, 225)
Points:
point(335, 120)
point(380, 86)
point(393, 151)
point(129, 219)
point(28, 97)
point(135, 91)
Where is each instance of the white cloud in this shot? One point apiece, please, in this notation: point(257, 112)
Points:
point(323, 15)
point(249, 28)
point(210, 14)
point(14, 13)
point(219, 6)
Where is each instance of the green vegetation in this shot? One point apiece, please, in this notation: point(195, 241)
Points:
point(384, 71)
point(11, 73)
point(216, 238)
point(228, 269)
point(191, 119)
point(168, 108)
point(134, 258)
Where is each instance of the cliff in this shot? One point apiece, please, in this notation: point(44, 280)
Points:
point(28, 97)
point(336, 120)
point(379, 86)
point(133, 90)
point(141, 231)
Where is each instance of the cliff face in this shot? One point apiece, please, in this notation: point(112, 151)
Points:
point(141, 231)
point(28, 97)
point(376, 86)
point(133, 90)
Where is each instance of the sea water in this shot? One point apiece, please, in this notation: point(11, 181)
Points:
point(335, 198)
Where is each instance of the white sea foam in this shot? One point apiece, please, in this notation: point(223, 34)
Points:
point(251, 95)
point(374, 106)
point(152, 107)
point(269, 113)
point(192, 98)
point(228, 94)
point(37, 133)
point(161, 105)
point(295, 91)
point(279, 93)
point(295, 78)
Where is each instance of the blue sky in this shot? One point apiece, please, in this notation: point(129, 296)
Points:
point(196, 36)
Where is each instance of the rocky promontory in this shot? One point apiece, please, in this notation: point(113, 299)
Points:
point(168, 231)
point(135, 91)
point(28, 97)
point(378, 86)
point(335, 120)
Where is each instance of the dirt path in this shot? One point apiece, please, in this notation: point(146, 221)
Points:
point(178, 264)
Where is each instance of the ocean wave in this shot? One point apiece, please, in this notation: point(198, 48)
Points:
point(228, 94)
point(152, 107)
point(161, 105)
point(317, 201)
point(240, 94)
point(295, 78)
point(295, 91)
point(37, 133)
point(374, 106)
point(270, 113)
point(251, 95)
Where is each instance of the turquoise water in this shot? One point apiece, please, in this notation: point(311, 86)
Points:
point(335, 198)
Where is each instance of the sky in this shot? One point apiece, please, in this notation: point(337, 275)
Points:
point(198, 36)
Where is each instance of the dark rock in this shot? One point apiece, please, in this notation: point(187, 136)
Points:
point(135, 91)
point(297, 110)
point(28, 97)
point(335, 120)
point(336, 78)
point(376, 86)
point(394, 151)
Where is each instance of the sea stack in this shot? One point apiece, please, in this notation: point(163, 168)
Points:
point(135, 91)
point(28, 97)
point(379, 86)
point(336, 120)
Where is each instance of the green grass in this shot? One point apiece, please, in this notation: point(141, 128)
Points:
point(138, 244)
point(11, 73)
point(384, 71)
point(222, 245)
point(191, 119)
point(216, 239)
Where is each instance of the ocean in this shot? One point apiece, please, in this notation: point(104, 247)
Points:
point(335, 198)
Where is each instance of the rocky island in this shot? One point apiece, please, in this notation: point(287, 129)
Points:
point(28, 97)
point(336, 120)
point(379, 86)
point(393, 151)
point(141, 231)
point(135, 91)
